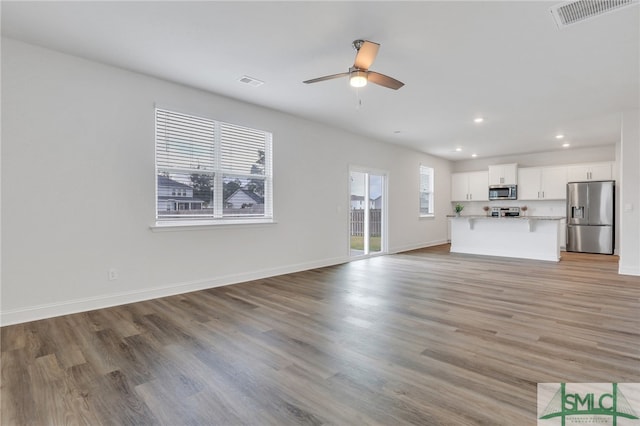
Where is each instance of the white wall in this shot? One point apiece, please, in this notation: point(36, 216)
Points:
point(78, 185)
point(630, 194)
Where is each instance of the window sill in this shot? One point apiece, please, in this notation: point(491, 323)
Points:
point(197, 225)
point(427, 216)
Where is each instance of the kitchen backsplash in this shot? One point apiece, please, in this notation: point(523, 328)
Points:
point(534, 207)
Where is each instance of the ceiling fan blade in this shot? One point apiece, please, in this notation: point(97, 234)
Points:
point(384, 80)
point(326, 77)
point(366, 54)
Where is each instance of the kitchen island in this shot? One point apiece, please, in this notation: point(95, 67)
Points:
point(525, 237)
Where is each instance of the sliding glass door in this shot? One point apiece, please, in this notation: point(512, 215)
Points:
point(367, 212)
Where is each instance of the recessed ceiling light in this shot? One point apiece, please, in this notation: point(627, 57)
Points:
point(566, 145)
point(474, 155)
point(478, 120)
point(559, 136)
point(397, 132)
point(458, 149)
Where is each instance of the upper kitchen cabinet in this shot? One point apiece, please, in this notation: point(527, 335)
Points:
point(503, 174)
point(593, 171)
point(542, 183)
point(471, 186)
point(530, 179)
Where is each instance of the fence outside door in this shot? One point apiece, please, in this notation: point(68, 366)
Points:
point(357, 222)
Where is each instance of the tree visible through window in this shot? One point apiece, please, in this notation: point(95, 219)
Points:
point(426, 191)
point(207, 169)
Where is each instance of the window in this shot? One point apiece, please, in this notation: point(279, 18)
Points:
point(426, 191)
point(221, 171)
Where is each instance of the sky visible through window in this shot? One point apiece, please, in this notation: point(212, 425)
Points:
point(375, 186)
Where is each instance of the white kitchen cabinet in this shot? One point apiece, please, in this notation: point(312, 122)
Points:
point(503, 174)
point(479, 186)
point(530, 179)
point(554, 183)
point(459, 187)
point(542, 183)
point(471, 186)
point(594, 171)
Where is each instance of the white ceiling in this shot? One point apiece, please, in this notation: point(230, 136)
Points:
point(505, 61)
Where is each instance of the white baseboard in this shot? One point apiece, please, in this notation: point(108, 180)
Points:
point(33, 313)
point(417, 246)
point(622, 270)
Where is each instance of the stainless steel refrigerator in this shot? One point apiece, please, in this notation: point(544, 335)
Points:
point(590, 216)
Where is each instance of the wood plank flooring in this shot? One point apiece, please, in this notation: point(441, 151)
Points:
point(423, 338)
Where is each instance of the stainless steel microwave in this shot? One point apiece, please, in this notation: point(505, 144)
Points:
point(503, 192)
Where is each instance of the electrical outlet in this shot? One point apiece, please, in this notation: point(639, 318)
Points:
point(113, 274)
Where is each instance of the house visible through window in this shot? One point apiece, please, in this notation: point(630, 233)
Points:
point(426, 191)
point(211, 170)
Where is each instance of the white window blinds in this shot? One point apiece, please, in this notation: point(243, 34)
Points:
point(242, 149)
point(184, 141)
point(207, 169)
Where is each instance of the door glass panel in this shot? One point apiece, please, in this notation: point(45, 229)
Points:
point(376, 184)
point(366, 222)
point(357, 213)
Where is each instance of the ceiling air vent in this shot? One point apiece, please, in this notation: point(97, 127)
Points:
point(572, 12)
point(253, 82)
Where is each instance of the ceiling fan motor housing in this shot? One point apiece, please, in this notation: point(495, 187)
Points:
point(357, 44)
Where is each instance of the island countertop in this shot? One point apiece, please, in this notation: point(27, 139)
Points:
point(479, 216)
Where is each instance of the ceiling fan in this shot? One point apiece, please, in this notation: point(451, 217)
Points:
point(359, 73)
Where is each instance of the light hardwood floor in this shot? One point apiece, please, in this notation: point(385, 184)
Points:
point(424, 337)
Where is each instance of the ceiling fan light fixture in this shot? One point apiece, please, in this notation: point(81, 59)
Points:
point(358, 78)
point(359, 74)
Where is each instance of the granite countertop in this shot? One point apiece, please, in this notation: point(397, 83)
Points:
point(471, 216)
